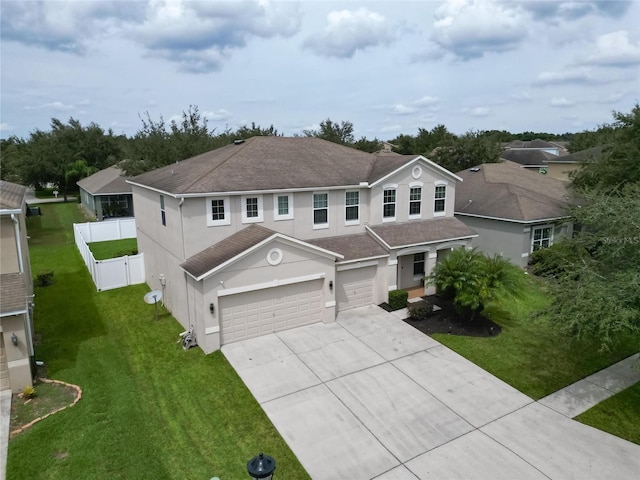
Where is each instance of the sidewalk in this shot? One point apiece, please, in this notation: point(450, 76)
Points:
point(579, 397)
point(31, 198)
point(5, 418)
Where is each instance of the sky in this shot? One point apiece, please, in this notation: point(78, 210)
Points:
point(388, 67)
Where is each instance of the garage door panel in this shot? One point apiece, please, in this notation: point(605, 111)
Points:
point(355, 288)
point(260, 312)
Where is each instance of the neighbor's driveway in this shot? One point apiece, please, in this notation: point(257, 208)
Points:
point(371, 397)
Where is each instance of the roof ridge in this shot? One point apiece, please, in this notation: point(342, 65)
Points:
point(223, 162)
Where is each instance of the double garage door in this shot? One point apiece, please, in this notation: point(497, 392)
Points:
point(355, 288)
point(256, 313)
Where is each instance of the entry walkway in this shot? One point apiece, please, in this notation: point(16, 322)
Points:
point(579, 397)
point(370, 397)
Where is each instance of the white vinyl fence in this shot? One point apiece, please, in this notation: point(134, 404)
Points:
point(114, 272)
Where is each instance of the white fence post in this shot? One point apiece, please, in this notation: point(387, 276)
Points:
point(114, 272)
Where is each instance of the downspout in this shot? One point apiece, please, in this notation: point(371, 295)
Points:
point(16, 224)
point(180, 203)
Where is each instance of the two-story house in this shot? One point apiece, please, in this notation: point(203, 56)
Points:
point(272, 233)
point(16, 291)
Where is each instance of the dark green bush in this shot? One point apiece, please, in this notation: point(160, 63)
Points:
point(126, 253)
point(556, 259)
point(420, 310)
point(398, 299)
point(44, 279)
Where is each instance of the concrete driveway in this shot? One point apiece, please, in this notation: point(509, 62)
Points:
point(371, 397)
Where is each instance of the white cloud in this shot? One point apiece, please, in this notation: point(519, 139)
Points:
point(391, 128)
point(217, 116)
point(427, 103)
point(614, 50)
point(56, 106)
point(402, 109)
point(521, 96)
point(349, 31)
point(470, 28)
point(477, 111)
point(200, 36)
point(570, 76)
point(561, 102)
point(5, 127)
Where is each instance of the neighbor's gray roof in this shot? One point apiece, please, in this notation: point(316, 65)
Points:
point(506, 190)
point(232, 246)
point(537, 143)
point(13, 292)
point(271, 163)
point(593, 153)
point(352, 247)
point(11, 195)
point(399, 235)
point(528, 157)
point(107, 181)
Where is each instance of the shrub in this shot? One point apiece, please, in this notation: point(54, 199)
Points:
point(29, 392)
point(398, 299)
point(420, 310)
point(44, 279)
point(556, 259)
point(126, 253)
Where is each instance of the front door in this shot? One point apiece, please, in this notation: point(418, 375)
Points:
point(411, 270)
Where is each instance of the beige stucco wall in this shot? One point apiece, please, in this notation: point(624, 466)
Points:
point(254, 272)
point(561, 170)
point(8, 250)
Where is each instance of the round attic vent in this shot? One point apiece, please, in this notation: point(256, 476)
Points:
point(274, 256)
point(416, 172)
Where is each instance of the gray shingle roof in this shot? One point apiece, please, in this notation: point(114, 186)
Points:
point(352, 247)
point(232, 246)
point(506, 190)
point(107, 181)
point(593, 153)
point(537, 143)
point(528, 157)
point(271, 163)
point(11, 195)
point(13, 292)
point(399, 235)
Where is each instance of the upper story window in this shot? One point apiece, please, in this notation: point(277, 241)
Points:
point(542, 237)
point(252, 209)
point(283, 206)
point(415, 202)
point(389, 204)
point(163, 213)
point(352, 208)
point(218, 211)
point(440, 199)
point(320, 210)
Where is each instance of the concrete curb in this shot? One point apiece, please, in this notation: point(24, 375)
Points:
point(33, 422)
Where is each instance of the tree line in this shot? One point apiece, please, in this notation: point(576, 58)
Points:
point(70, 151)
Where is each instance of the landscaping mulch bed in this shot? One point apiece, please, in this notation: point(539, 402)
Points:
point(448, 320)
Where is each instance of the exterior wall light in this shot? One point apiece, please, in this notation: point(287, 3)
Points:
point(212, 308)
point(261, 467)
point(331, 285)
point(14, 339)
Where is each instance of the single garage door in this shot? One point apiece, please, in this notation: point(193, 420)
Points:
point(4, 371)
point(355, 287)
point(251, 314)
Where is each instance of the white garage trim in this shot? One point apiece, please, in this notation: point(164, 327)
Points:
point(352, 266)
point(271, 284)
point(210, 330)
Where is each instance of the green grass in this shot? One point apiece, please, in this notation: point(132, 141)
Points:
point(114, 248)
point(149, 409)
point(613, 414)
point(530, 354)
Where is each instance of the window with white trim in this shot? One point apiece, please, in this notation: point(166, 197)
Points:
point(320, 210)
point(163, 213)
point(439, 200)
point(218, 211)
point(415, 202)
point(389, 204)
point(418, 264)
point(252, 209)
point(542, 237)
point(352, 207)
point(283, 206)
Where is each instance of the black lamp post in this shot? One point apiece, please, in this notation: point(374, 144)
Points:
point(261, 467)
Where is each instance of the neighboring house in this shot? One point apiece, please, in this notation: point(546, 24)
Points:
point(537, 144)
point(273, 232)
point(106, 194)
point(515, 211)
point(560, 167)
point(16, 291)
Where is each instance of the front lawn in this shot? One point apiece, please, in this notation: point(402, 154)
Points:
point(529, 353)
point(149, 409)
point(114, 248)
point(619, 415)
